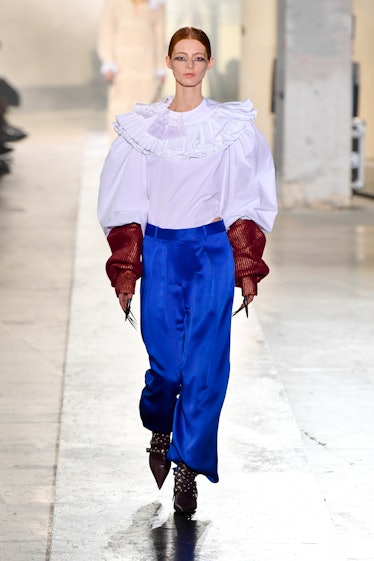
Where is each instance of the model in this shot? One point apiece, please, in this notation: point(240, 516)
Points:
point(187, 194)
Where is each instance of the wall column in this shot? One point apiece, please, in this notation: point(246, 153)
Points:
point(314, 103)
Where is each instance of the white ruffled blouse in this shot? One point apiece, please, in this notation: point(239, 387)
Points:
point(183, 170)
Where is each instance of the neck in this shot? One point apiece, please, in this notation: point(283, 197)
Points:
point(186, 99)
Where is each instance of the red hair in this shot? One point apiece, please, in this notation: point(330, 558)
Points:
point(190, 33)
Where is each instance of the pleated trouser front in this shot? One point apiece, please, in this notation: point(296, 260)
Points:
point(187, 292)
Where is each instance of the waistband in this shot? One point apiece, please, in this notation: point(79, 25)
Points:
point(185, 233)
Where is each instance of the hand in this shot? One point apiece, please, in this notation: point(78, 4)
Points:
point(109, 76)
point(123, 300)
point(246, 300)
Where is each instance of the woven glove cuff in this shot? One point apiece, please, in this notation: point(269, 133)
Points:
point(124, 266)
point(248, 244)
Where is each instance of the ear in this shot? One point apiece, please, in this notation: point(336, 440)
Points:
point(168, 62)
point(210, 63)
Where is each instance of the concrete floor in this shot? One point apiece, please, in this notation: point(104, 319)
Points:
point(296, 438)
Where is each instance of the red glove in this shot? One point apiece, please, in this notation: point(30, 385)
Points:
point(248, 244)
point(124, 267)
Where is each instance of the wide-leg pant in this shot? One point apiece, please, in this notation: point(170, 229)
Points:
point(187, 292)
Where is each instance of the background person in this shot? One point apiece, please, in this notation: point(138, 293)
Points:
point(131, 46)
point(8, 133)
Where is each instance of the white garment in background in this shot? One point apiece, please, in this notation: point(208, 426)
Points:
point(131, 43)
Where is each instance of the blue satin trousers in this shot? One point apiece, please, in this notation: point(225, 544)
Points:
point(187, 293)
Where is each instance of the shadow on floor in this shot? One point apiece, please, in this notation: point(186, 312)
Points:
point(176, 539)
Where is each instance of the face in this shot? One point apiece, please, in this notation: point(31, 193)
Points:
point(189, 62)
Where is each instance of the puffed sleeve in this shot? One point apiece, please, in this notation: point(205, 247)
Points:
point(250, 191)
point(123, 192)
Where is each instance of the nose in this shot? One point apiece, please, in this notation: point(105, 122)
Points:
point(190, 62)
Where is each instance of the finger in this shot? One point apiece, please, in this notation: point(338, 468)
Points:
point(123, 299)
point(129, 315)
point(245, 304)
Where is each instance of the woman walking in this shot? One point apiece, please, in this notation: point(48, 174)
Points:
point(187, 192)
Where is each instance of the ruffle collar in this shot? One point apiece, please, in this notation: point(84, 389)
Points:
point(209, 128)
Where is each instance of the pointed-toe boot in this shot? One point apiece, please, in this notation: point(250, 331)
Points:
point(159, 464)
point(185, 490)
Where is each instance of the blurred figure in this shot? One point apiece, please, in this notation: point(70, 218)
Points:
point(8, 133)
point(131, 49)
point(4, 150)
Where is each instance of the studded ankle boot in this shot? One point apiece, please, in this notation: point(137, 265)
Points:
point(185, 490)
point(159, 464)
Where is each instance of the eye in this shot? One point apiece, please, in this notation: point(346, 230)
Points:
point(199, 59)
point(180, 58)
